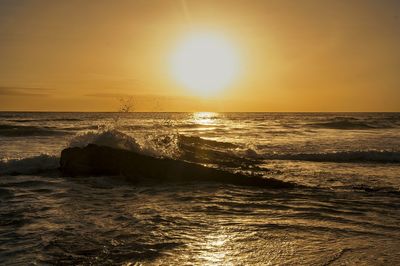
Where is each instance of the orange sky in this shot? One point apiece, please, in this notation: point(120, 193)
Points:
point(295, 55)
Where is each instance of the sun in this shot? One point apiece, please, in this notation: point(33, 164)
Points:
point(205, 63)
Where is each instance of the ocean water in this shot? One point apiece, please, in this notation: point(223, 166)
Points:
point(344, 210)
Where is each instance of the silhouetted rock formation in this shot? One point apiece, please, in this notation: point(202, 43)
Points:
point(100, 160)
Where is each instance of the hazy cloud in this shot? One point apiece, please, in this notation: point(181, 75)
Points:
point(24, 91)
point(108, 95)
point(141, 96)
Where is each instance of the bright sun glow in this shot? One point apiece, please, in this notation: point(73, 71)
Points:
point(205, 63)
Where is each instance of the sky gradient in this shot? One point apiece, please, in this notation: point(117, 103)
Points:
point(304, 55)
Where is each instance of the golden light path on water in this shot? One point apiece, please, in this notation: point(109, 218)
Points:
point(205, 118)
point(215, 249)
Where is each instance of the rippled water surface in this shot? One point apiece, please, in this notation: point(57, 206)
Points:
point(345, 209)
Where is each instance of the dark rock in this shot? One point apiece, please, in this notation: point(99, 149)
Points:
point(99, 160)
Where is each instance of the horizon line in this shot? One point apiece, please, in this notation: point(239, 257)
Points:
point(116, 112)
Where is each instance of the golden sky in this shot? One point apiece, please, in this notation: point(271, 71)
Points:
point(303, 55)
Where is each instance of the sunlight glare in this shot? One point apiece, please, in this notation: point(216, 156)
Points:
point(205, 63)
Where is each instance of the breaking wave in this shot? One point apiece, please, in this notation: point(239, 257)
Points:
point(29, 165)
point(188, 148)
point(109, 138)
point(44, 162)
point(221, 154)
point(197, 149)
point(152, 145)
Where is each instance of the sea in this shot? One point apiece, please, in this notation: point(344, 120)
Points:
point(343, 210)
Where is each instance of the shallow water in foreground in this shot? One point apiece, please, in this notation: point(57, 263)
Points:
point(347, 213)
point(103, 220)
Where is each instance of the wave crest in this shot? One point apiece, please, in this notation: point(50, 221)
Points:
point(153, 145)
point(23, 131)
point(29, 165)
point(110, 138)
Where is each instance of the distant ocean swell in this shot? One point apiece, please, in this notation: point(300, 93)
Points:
point(20, 131)
point(7, 130)
point(46, 120)
point(19, 127)
point(350, 123)
point(340, 157)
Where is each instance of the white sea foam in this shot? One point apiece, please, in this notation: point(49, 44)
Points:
point(110, 138)
point(29, 165)
point(152, 145)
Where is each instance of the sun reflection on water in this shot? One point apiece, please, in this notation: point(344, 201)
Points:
point(205, 118)
point(215, 251)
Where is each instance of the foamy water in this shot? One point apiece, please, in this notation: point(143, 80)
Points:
point(346, 211)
